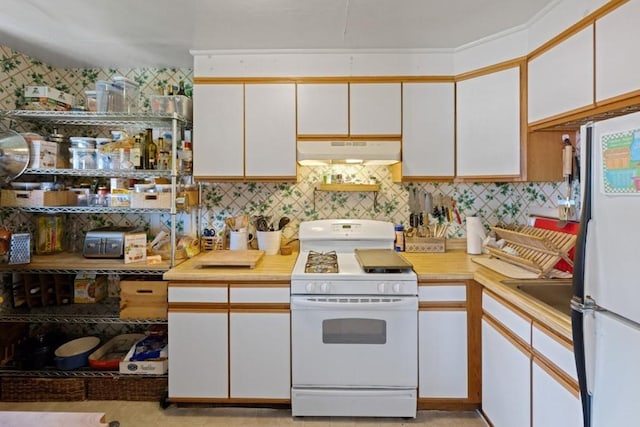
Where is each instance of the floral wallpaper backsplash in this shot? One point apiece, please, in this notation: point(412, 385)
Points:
point(493, 202)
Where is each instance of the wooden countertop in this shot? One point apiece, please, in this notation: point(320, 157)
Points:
point(270, 268)
point(451, 265)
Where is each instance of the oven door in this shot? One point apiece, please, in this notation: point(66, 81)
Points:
point(354, 341)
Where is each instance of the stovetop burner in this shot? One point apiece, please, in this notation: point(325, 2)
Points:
point(321, 262)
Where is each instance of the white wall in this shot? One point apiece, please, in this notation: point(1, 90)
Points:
point(504, 46)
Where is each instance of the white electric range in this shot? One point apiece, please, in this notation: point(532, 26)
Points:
point(354, 328)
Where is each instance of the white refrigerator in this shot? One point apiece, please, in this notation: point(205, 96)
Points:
point(606, 302)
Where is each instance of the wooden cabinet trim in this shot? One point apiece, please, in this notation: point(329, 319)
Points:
point(327, 80)
point(228, 400)
point(565, 342)
point(259, 308)
point(557, 374)
point(198, 284)
point(442, 306)
point(260, 285)
point(577, 27)
point(504, 331)
point(494, 68)
point(197, 307)
point(508, 304)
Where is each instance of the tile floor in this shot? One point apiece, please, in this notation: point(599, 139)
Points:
point(135, 414)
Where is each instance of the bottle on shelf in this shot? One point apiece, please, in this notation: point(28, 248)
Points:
point(150, 150)
point(181, 90)
point(136, 152)
point(186, 157)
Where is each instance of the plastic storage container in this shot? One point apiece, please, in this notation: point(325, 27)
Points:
point(109, 97)
point(172, 104)
point(130, 94)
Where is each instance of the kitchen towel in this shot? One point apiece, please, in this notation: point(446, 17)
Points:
point(475, 235)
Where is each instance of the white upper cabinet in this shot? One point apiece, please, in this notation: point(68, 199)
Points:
point(488, 125)
point(561, 79)
point(375, 108)
point(270, 130)
point(617, 59)
point(218, 115)
point(428, 142)
point(323, 109)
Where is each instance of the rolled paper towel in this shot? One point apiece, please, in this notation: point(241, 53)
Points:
point(475, 235)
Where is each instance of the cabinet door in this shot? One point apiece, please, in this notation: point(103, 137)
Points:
point(488, 125)
point(554, 401)
point(506, 379)
point(323, 109)
point(270, 139)
point(375, 109)
point(617, 61)
point(198, 361)
point(561, 79)
point(442, 351)
point(428, 143)
point(260, 354)
point(218, 121)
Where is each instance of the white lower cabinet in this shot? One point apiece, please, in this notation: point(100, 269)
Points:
point(506, 379)
point(198, 356)
point(443, 354)
point(260, 354)
point(229, 342)
point(443, 341)
point(554, 401)
point(528, 373)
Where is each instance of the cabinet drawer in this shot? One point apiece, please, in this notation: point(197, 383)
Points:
point(554, 349)
point(265, 294)
point(515, 322)
point(438, 292)
point(197, 293)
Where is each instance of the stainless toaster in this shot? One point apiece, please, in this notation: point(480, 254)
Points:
point(106, 242)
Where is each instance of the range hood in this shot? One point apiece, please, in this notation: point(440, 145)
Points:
point(320, 152)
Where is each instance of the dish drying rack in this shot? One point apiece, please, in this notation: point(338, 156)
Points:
point(538, 250)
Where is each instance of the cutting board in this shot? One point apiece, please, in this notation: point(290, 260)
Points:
point(248, 258)
point(374, 260)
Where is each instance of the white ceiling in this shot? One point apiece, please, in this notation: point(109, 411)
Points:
point(160, 33)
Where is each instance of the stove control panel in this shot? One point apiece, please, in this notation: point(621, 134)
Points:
point(328, 287)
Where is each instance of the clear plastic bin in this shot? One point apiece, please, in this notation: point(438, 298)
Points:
point(130, 94)
point(172, 104)
point(109, 97)
point(83, 158)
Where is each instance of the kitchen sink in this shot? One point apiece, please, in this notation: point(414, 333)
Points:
point(555, 293)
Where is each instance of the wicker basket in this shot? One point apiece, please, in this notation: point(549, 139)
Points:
point(21, 389)
point(119, 388)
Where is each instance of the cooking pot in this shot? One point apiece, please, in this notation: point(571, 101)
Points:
point(75, 354)
point(14, 154)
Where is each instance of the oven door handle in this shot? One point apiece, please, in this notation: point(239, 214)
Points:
point(403, 303)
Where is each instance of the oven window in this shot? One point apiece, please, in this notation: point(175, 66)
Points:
point(354, 331)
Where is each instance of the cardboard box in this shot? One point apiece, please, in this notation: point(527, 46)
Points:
point(157, 366)
point(151, 200)
point(120, 197)
point(135, 247)
point(143, 299)
point(47, 98)
point(89, 288)
point(43, 154)
point(34, 198)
